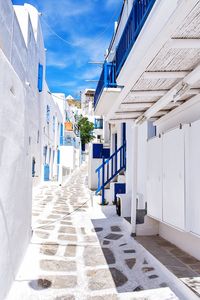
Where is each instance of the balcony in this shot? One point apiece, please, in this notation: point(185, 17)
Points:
point(137, 18)
point(106, 86)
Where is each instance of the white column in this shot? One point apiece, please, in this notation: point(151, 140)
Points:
point(134, 176)
point(129, 157)
point(106, 132)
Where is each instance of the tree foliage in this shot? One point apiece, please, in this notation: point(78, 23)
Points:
point(86, 130)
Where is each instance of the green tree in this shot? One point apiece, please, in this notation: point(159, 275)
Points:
point(86, 130)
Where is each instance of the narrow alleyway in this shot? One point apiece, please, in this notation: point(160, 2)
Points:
point(82, 252)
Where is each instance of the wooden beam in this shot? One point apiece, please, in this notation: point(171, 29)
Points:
point(193, 92)
point(164, 75)
point(159, 93)
point(184, 44)
point(135, 105)
point(120, 120)
point(146, 93)
point(132, 110)
point(132, 115)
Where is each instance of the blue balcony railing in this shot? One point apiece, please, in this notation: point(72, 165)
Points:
point(136, 20)
point(107, 79)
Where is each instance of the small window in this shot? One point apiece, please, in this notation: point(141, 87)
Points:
point(98, 124)
point(33, 167)
point(151, 130)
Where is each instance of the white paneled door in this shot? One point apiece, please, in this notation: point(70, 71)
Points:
point(174, 178)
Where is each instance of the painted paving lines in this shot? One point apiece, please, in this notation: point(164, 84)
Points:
point(73, 256)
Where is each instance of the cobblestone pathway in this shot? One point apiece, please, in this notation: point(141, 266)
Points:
point(77, 252)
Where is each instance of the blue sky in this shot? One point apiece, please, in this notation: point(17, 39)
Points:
point(87, 26)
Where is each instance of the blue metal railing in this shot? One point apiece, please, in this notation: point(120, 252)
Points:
point(110, 168)
point(107, 79)
point(136, 20)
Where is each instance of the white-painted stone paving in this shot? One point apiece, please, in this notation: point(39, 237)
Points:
point(84, 251)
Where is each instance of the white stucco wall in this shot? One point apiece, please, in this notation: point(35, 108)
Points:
point(22, 118)
point(15, 174)
point(188, 113)
point(67, 157)
point(186, 241)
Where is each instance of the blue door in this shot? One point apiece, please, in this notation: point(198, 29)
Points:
point(46, 172)
point(123, 133)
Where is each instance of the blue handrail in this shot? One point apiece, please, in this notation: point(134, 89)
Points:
point(107, 79)
point(136, 20)
point(110, 168)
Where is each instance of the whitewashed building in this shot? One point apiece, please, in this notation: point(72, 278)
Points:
point(149, 92)
point(70, 145)
point(87, 108)
point(97, 148)
point(30, 129)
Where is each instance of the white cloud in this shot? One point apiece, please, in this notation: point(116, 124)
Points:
point(67, 84)
point(55, 60)
point(86, 30)
point(92, 73)
point(112, 3)
point(62, 10)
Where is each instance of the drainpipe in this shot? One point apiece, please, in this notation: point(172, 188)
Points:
point(134, 182)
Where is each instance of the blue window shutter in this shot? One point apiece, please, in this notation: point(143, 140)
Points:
point(58, 157)
point(40, 77)
point(61, 134)
point(97, 150)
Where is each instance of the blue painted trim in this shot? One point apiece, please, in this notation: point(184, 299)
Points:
point(58, 157)
point(33, 167)
point(97, 150)
point(134, 25)
point(40, 77)
point(61, 134)
point(123, 132)
point(107, 79)
point(103, 180)
point(46, 172)
point(119, 188)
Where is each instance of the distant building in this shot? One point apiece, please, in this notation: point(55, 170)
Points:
point(87, 107)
